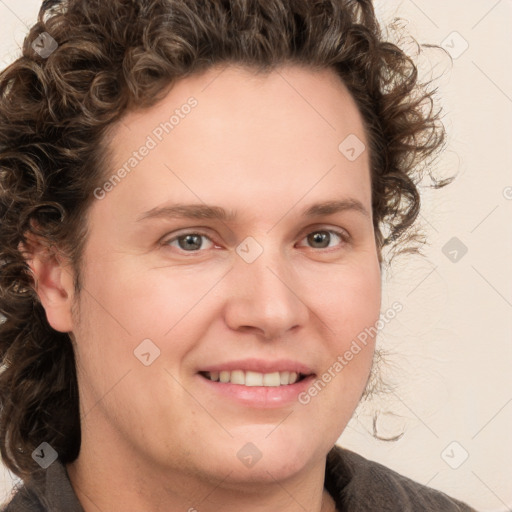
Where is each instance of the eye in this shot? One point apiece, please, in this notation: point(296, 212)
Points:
point(193, 241)
point(321, 238)
point(189, 242)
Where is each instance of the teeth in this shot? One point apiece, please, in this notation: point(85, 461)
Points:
point(271, 379)
point(237, 377)
point(254, 378)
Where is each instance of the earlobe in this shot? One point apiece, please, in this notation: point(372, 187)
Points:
point(53, 283)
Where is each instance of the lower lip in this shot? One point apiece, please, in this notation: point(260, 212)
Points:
point(263, 397)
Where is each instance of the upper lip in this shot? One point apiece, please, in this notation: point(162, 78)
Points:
point(260, 366)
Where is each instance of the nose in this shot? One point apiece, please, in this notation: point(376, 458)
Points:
point(265, 296)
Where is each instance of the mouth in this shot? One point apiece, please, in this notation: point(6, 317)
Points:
point(256, 383)
point(252, 379)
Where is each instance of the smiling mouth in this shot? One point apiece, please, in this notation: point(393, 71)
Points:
point(250, 378)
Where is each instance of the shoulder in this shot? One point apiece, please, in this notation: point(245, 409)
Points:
point(46, 491)
point(23, 500)
point(362, 484)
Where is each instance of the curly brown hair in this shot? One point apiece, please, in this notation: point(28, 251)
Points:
point(121, 55)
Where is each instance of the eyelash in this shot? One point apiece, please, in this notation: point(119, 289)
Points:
point(343, 235)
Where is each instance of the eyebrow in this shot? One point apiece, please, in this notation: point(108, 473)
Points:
point(204, 211)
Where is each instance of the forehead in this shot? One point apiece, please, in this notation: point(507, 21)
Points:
point(231, 129)
point(231, 97)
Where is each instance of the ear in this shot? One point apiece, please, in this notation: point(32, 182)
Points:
point(54, 283)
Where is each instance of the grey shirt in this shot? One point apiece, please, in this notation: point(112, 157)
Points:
point(356, 484)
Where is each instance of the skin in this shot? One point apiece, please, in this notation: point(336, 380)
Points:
point(155, 437)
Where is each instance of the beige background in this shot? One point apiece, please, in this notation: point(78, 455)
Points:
point(451, 344)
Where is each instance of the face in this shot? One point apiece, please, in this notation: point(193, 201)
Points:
point(173, 298)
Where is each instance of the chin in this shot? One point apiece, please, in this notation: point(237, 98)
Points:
point(278, 466)
point(264, 453)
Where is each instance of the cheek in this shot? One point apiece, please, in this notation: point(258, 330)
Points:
point(139, 298)
point(126, 304)
point(347, 298)
point(119, 311)
point(349, 305)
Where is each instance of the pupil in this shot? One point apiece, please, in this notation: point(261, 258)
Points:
point(319, 237)
point(191, 242)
